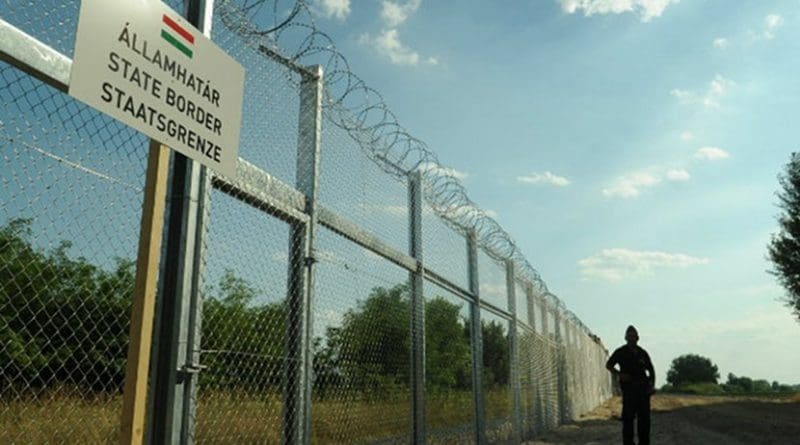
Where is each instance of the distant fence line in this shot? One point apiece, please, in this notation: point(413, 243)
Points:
point(341, 287)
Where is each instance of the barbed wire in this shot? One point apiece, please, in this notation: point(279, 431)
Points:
point(287, 27)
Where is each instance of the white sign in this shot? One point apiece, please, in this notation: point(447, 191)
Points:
point(141, 63)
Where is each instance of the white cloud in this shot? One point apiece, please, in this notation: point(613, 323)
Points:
point(394, 13)
point(771, 23)
point(630, 186)
point(682, 95)
point(280, 256)
point(497, 290)
point(717, 88)
point(396, 210)
point(544, 178)
point(678, 175)
point(687, 136)
point(721, 43)
point(338, 9)
point(388, 44)
point(328, 317)
point(646, 9)
point(614, 265)
point(711, 154)
point(438, 169)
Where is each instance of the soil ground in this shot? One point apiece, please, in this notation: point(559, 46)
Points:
point(691, 420)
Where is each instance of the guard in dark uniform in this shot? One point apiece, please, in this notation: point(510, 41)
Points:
point(637, 380)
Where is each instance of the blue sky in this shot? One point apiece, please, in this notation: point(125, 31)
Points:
point(631, 148)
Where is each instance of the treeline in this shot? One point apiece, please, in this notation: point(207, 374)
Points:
point(692, 373)
point(64, 322)
point(747, 385)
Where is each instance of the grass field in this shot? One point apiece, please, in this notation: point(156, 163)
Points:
point(230, 417)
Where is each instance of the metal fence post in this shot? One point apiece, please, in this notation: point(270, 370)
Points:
point(545, 407)
point(178, 304)
point(562, 378)
point(297, 406)
point(534, 410)
point(476, 338)
point(174, 353)
point(567, 367)
point(417, 313)
point(516, 420)
point(529, 297)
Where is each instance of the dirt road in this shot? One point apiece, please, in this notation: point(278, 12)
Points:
point(692, 420)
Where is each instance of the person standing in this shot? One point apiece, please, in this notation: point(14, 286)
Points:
point(637, 379)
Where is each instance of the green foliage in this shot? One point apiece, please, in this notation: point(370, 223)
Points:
point(738, 385)
point(785, 245)
point(64, 321)
point(244, 343)
point(734, 386)
point(371, 348)
point(496, 354)
point(692, 368)
point(447, 359)
point(58, 315)
point(746, 385)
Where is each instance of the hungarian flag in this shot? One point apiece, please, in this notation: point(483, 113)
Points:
point(178, 36)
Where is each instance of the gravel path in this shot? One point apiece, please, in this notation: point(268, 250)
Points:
point(692, 420)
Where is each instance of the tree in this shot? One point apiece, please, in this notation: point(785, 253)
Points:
point(447, 353)
point(372, 347)
point(692, 368)
point(736, 384)
point(496, 353)
point(370, 351)
point(784, 248)
point(243, 341)
point(62, 320)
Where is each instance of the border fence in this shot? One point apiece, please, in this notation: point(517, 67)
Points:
point(341, 287)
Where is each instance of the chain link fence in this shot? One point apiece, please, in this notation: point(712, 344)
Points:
point(339, 288)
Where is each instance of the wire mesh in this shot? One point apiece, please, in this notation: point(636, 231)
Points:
point(497, 377)
point(361, 346)
point(445, 249)
point(244, 325)
point(493, 286)
point(528, 379)
point(372, 199)
point(53, 22)
point(270, 110)
point(449, 414)
point(521, 303)
point(65, 306)
point(71, 202)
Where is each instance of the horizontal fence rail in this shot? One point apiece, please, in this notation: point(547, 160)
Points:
point(339, 287)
